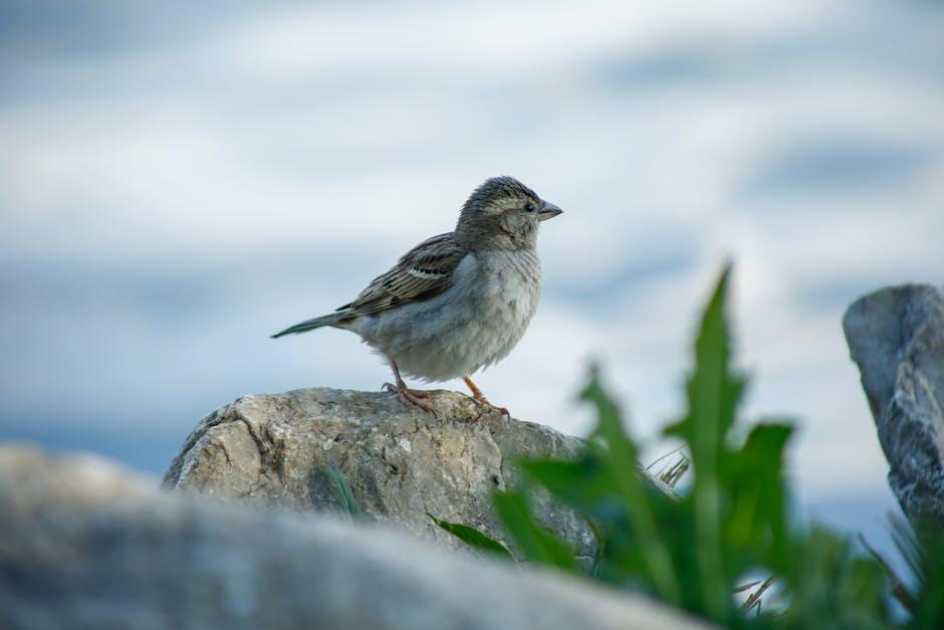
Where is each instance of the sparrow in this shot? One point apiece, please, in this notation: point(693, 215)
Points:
point(457, 302)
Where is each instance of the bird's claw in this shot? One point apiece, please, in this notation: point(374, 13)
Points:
point(482, 400)
point(410, 397)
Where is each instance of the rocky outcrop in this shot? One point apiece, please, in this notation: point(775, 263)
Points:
point(85, 545)
point(402, 464)
point(896, 336)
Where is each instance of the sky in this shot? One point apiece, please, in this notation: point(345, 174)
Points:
point(178, 182)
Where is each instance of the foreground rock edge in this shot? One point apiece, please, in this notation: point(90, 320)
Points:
point(86, 544)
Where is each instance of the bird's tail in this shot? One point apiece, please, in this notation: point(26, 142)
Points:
point(332, 319)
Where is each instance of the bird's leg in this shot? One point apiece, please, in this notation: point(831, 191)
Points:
point(407, 395)
point(401, 384)
point(480, 397)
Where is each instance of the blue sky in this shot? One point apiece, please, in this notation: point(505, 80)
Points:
point(177, 183)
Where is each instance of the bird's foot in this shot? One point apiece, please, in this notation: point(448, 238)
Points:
point(418, 393)
point(480, 398)
point(413, 397)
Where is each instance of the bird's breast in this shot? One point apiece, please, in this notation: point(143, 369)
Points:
point(508, 291)
point(510, 281)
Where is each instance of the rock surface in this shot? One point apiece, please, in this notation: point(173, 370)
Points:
point(83, 545)
point(896, 336)
point(401, 464)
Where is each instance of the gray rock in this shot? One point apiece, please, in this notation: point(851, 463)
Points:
point(84, 545)
point(896, 336)
point(401, 464)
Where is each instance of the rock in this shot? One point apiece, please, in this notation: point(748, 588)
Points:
point(401, 464)
point(84, 545)
point(896, 336)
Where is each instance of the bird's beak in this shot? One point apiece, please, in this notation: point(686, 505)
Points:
point(549, 211)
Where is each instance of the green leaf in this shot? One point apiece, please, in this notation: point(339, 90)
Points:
point(713, 395)
point(582, 483)
point(621, 461)
point(473, 537)
point(753, 481)
point(343, 492)
point(536, 543)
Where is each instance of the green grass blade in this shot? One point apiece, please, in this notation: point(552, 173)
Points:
point(473, 537)
point(909, 547)
point(343, 492)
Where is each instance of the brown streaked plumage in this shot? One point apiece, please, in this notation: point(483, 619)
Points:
point(457, 301)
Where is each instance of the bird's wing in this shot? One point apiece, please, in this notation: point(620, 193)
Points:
point(423, 272)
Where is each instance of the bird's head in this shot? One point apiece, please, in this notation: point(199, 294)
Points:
point(503, 213)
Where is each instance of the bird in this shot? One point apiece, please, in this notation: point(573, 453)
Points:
point(457, 302)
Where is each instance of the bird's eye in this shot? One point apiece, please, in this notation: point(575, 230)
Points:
point(529, 207)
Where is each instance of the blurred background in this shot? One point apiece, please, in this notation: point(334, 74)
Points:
point(180, 180)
